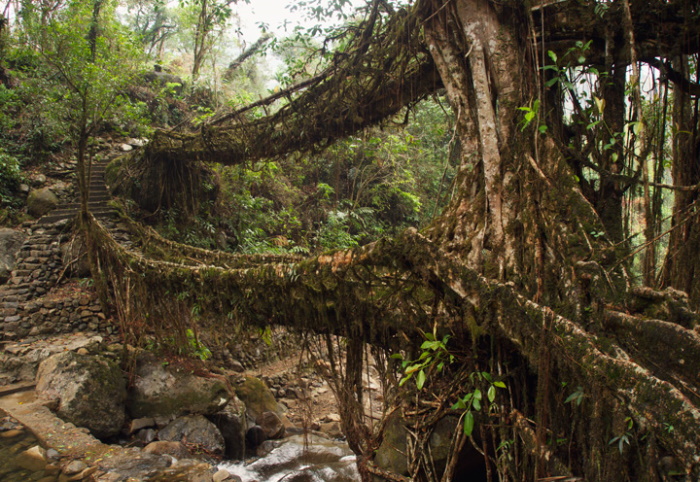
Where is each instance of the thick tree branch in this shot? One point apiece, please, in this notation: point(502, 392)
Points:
point(676, 77)
point(245, 55)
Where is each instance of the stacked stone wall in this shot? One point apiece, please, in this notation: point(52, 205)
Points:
point(33, 302)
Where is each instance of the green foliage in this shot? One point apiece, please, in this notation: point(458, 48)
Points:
point(472, 401)
point(190, 346)
point(354, 192)
point(10, 178)
point(10, 104)
point(342, 228)
point(576, 397)
point(266, 335)
point(73, 67)
point(89, 71)
point(530, 115)
point(432, 360)
point(197, 348)
point(625, 437)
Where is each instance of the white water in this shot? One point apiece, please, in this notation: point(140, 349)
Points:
point(291, 460)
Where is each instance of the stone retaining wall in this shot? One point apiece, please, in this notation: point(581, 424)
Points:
point(31, 302)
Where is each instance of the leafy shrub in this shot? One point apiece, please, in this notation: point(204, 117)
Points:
point(10, 174)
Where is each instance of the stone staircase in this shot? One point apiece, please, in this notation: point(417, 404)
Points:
point(98, 202)
point(38, 269)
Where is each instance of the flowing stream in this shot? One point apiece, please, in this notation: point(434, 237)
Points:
point(300, 459)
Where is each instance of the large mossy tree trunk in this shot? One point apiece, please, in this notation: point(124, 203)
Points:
point(517, 214)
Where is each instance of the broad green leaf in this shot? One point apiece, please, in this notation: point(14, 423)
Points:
point(420, 380)
point(413, 368)
point(499, 384)
point(430, 345)
point(468, 424)
point(491, 394)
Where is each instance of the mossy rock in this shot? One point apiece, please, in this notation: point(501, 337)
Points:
point(41, 201)
point(391, 454)
point(86, 390)
point(257, 397)
point(162, 390)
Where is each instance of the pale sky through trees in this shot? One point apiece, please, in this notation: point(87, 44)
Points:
point(274, 13)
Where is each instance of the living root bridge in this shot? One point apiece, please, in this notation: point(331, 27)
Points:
point(404, 286)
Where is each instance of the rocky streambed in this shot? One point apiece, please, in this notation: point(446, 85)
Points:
point(82, 421)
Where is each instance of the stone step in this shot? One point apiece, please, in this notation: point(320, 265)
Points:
point(76, 206)
point(39, 253)
point(39, 239)
point(97, 213)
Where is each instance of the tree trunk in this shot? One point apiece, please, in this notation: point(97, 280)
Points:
point(201, 36)
point(682, 264)
point(511, 216)
point(94, 32)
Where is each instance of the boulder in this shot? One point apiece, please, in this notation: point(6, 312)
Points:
point(87, 390)
point(74, 467)
point(186, 471)
point(231, 422)
point(332, 429)
point(254, 436)
point(10, 242)
point(140, 142)
point(391, 454)
point(441, 441)
point(166, 447)
point(271, 424)
point(41, 201)
point(33, 459)
point(133, 464)
point(139, 423)
point(172, 391)
point(257, 397)
point(194, 429)
point(221, 475)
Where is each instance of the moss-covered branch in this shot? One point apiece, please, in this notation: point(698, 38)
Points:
point(386, 288)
